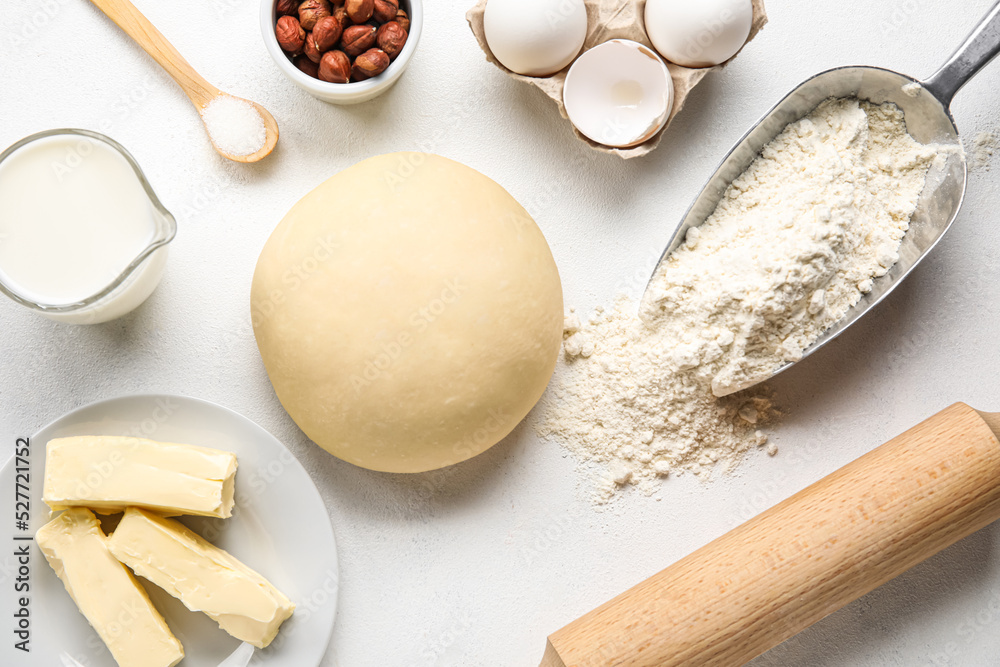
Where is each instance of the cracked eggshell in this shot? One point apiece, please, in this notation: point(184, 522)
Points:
point(619, 93)
point(535, 37)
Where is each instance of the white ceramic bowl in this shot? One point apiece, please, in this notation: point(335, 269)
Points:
point(343, 93)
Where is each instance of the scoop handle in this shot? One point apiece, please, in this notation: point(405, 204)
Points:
point(982, 46)
point(804, 558)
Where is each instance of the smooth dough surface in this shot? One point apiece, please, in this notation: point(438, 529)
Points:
point(409, 313)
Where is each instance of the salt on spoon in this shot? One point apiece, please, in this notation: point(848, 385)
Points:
point(239, 129)
point(234, 125)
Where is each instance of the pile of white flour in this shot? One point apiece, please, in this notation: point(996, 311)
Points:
point(795, 242)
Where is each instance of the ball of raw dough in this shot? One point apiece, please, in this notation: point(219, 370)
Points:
point(409, 313)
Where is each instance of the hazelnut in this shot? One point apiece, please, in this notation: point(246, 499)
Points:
point(327, 33)
point(307, 66)
point(357, 39)
point(335, 67)
point(360, 10)
point(311, 11)
point(390, 38)
point(340, 13)
point(370, 63)
point(287, 7)
point(385, 10)
point(403, 20)
point(309, 48)
point(290, 34)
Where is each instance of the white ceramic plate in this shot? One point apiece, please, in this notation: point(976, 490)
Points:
point(280, 528)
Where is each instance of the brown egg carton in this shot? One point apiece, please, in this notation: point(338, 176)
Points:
point(606, 20)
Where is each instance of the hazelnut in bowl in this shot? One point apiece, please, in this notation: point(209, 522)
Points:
point(342, 51)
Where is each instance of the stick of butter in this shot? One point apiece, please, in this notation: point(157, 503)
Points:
point(109, 473)
point(106, 593)
point(201, 575)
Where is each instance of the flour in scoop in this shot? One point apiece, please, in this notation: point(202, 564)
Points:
point(235, 125)
point(796, 241)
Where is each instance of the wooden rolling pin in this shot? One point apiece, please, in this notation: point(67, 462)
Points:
point(803, 559)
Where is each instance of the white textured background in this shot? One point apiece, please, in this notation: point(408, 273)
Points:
point(475, 565)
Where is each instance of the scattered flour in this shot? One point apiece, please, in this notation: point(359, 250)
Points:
point(794, 243)
point(984, 145)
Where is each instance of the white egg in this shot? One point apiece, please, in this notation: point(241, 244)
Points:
point(619, 93)
point(698, 34)
point(535, 37)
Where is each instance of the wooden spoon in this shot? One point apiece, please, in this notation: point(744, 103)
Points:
point(198, 90)
point(804, 558)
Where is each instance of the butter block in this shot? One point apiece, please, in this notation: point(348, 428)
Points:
point(202, 576)
point(109, 473)
point(106, 593)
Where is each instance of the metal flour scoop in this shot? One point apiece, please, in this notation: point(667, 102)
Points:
point(925, 105)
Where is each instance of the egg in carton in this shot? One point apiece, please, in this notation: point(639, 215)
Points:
point(608, 20)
